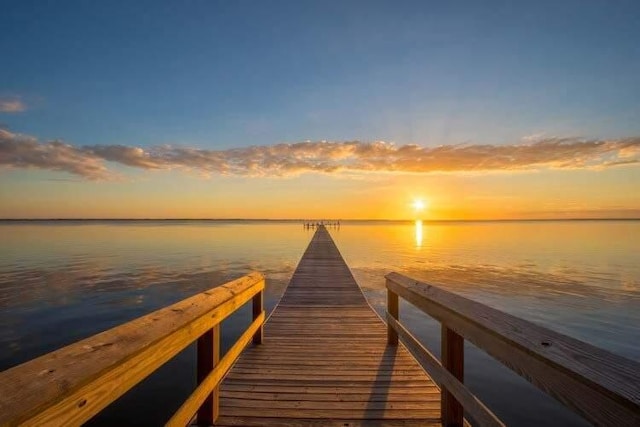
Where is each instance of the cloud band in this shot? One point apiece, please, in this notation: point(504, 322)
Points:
point(91, 161)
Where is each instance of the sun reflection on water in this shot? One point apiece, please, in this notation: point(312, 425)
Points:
point(418, 233)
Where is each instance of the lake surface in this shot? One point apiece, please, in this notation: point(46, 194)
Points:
point(61, 281)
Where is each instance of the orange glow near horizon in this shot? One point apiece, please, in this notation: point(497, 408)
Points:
point(548, 195)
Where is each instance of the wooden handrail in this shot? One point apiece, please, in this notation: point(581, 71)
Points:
point(70, 385)
point(480, 413)
point(184, 414)
point(601, 386)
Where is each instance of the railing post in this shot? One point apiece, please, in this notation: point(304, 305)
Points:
point(393, 310)
point(208, 358)
point(452, 361)
point(258, 302)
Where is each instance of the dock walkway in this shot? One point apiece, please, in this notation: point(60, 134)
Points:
point(325, 359)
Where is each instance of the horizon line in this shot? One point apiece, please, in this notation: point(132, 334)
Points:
point(333, 219)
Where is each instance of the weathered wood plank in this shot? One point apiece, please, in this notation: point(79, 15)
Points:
point(334, 422)
point(292, 357)
point(295, 367)
point(323, 413)
point(326, 388)
point(371, 376)
point(421, 396)
point(339, 370)
point(318, 359)
point(335, 383)
point(334, 405)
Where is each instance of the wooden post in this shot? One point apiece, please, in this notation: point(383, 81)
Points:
point(393, 310)
point(208, 358)
point(452, 361)
point(258, 302)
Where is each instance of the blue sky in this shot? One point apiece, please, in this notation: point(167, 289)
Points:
point(236, 73)
point(202, 108)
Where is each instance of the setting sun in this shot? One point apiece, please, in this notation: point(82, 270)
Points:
point(419, 205)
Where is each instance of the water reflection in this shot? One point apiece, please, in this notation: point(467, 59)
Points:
point(418, 233)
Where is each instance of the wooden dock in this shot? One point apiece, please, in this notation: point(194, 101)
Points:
point(325, 359)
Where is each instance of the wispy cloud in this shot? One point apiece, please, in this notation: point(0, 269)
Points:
point(534, 137)
point(12, 105)
point(91, 161)
point(21, 151)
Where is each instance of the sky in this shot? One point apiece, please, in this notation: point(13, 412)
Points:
point(320, 109)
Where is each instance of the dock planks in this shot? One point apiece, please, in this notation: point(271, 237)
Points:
point(325, 360)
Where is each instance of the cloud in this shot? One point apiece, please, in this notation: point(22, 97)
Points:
point(26, 152)
point(12, 105)
point(91, 161)
point(534, 137)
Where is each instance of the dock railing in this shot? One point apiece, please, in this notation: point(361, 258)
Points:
point(72, 384)
point(601, 386)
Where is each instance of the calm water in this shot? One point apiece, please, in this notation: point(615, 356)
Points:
point(62, 281)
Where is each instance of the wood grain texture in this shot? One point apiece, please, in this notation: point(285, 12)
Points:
point(601, 386)
point(324, 359)
point(325, 422)
point(70, 385)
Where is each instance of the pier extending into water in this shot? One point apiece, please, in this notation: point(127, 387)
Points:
point(323, 357)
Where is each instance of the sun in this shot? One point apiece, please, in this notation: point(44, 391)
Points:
point(419, 205)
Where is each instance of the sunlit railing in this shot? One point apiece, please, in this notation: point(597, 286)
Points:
point(72, 384)
point(601, 386)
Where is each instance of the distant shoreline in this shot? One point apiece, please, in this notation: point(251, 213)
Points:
point(301, 220)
